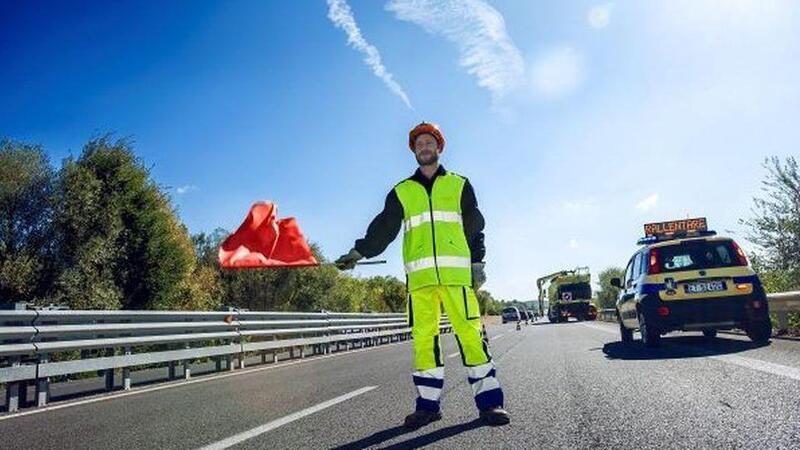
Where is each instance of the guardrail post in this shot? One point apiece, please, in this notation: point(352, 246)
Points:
point(187, 370)
point(327, 345)
point(13, 389)
point(783, 320)
point(43, 385)
point(302, 348)
point(218, 359)
point(110, 372)
point(228, 358)
point(171, 366)
point(126, 373)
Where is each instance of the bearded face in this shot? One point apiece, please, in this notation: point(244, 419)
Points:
point(426, 150)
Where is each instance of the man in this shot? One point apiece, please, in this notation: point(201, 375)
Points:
point(443, 254)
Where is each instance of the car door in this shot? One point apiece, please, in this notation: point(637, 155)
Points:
point(626, 303)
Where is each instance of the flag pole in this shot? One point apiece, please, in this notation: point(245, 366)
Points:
point(360, 263)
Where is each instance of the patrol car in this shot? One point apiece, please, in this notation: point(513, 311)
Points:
point(685, 277)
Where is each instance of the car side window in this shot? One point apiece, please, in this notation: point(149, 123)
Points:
point(629, 274)
point(643, 264)
point(637, 266)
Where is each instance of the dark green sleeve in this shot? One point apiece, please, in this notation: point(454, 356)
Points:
point(473, 223)
point(383, 228)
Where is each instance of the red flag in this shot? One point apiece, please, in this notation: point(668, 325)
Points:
point(261, 241)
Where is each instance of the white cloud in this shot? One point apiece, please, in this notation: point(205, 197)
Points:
point(573, 243)
point(340, 14)
point(558, 72)
point(647, 203)
point(599, 16)
point(478, 30)
point(184, 189)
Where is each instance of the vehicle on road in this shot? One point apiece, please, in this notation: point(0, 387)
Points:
point(568, 293)
point(687, 278)
point(511, 314)
point(592, 313)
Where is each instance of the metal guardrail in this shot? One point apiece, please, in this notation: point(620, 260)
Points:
point(33, 342)
point(781, 304)
point(607, 315)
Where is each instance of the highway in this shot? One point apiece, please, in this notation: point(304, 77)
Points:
point(570, 385)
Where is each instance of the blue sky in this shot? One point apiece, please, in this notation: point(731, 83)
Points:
point(575, 121)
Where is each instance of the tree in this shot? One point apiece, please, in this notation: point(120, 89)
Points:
point(26, 184)
point(488, 305)
point(607, 295)
point(383, 294)
point(120, 242)
point(775, 225)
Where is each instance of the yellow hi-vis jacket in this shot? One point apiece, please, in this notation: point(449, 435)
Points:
point(435, 249)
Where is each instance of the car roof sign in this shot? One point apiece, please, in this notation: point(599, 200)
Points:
point(675, 229)
point(675, 226)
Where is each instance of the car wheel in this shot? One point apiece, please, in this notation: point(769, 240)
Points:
point(710, 333)
point(650, 335)
point(760, 331)
point(626, 335)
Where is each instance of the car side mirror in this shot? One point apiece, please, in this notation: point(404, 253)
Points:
point(617, 283)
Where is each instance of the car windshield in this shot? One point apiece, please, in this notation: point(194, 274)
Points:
point(696, 255)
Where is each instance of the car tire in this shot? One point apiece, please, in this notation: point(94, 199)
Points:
point(650, 335)
point(710, 333)
point(759, 332)
point(626, 335)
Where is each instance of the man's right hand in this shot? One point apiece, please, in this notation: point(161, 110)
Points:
point(348, 261)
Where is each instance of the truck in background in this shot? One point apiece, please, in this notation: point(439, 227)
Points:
point(568, 294)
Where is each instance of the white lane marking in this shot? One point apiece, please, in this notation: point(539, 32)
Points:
point(204, 379)
point(453, 354)
point(498, 336)
point(743, 361)
point(759, 365)
point(257, 431)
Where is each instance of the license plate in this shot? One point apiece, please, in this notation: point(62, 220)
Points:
point(706, 286)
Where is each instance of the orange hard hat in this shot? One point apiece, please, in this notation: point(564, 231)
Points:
point(425, 128)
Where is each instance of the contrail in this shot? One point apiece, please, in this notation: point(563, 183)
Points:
point(340, 14)
point(486, 50)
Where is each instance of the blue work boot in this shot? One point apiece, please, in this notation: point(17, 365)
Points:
point(421, 417)
point(495, 416)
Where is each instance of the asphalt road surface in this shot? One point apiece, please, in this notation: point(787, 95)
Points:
point(567, 386)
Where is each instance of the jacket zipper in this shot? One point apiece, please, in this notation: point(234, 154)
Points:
point(433, 233)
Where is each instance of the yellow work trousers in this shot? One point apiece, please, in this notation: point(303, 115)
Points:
point(461, 306)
